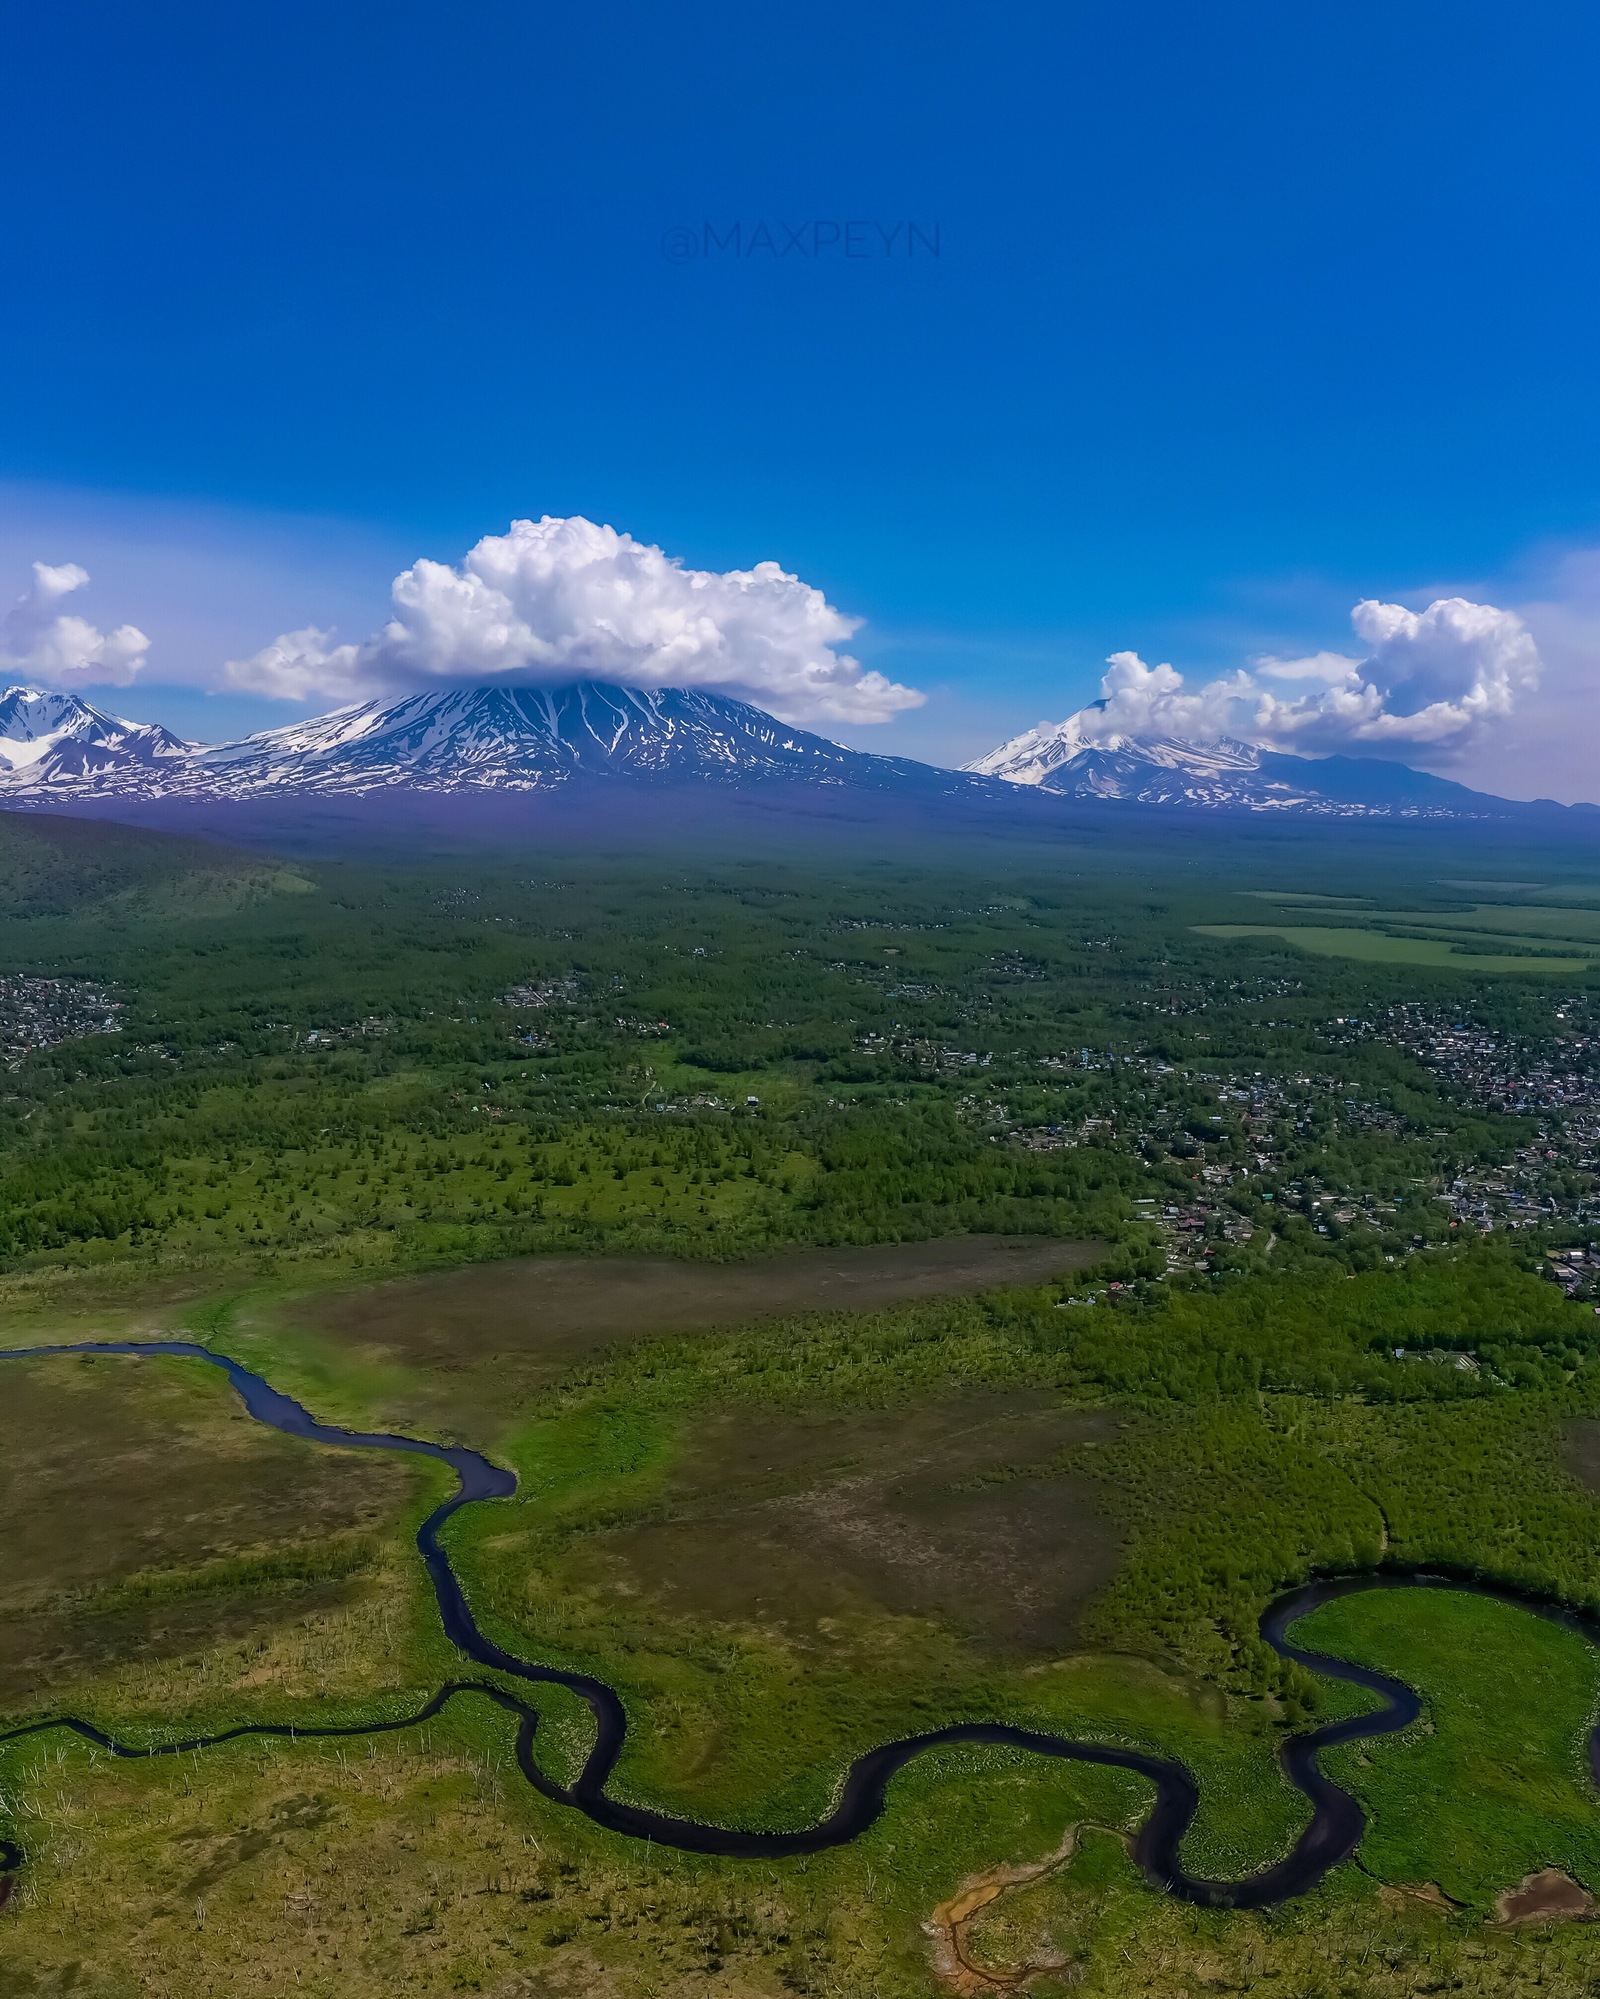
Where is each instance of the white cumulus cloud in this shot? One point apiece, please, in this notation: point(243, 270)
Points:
point(563, 599)
point(40, 641)
point(1433, 682)
point(1432, 679)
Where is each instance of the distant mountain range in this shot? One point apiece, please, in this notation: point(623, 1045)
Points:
point(1237, 777)
point(57, 750)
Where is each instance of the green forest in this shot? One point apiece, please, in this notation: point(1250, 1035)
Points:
point(464, 1060)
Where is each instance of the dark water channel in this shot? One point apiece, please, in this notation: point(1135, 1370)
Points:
point(1337, 1820)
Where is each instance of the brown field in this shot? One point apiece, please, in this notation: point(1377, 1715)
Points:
point(492, 1335)
point(946, 1509)
point(1581, 1451)
point(135, 1495)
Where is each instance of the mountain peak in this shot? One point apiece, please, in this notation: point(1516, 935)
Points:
point(1037, 754)
point(51, 739)
point(1225, 775)
point(469, 739)
point(521, 739)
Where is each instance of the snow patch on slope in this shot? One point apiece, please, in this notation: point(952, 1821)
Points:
point(50, 739)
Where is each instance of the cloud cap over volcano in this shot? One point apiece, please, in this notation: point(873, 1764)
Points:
point(558, 600)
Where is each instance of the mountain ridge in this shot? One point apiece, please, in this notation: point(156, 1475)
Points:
point(57, 750)
point(1057, 760)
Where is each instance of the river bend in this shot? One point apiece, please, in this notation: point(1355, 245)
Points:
point(1333, 1833)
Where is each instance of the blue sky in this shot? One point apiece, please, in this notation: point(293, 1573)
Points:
point(1237, 315)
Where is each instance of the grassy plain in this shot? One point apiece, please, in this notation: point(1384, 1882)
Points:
point(414, 1869)
point(147, 1516)
point(1498, 1784)
point(467, 1349)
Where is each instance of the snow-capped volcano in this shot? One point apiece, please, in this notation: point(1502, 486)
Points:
point(51, 741)
point(1228, 775)
point(58, 751)
point(521, 739)
point(1153, 769)
point(470, 739)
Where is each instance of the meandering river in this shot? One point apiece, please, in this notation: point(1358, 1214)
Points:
point(1336, 1825)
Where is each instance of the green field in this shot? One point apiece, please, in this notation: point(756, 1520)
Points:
point(1557, 934)
point(1382, 947)
point(1499, 1785)
point(1560, 925)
